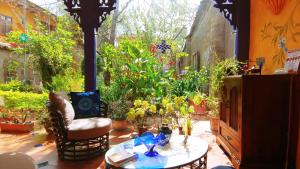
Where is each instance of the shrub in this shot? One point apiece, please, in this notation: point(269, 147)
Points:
point(15, 100)
point(69, 82)
point(15, 85)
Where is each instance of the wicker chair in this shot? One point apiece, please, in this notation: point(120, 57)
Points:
point(74, 143)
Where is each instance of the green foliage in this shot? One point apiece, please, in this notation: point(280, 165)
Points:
point(193, 81)
point(15, 85)
point(220, 70)
point(134, 70)
point(11, 67)
point(50, 51)
point(120, 109)
point(213, 106)
point(16, 100)
point(68, 82)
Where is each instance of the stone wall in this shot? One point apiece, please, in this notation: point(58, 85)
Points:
point(210, 33)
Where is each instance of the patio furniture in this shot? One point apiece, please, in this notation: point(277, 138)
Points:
point(81, 138)
point(14, 160)
point(176, 154)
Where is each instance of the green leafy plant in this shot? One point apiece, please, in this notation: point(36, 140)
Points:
point(16, 85)
point(119, 109)
point(191, 82)
point(15, 100)
point(50, 51)
point(219, 71)
point(72, 81)
point(213, 106)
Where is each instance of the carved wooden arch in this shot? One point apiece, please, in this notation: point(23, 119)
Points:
point(237, 12)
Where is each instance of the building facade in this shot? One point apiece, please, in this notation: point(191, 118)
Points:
point(17, 15)
point(211, 35)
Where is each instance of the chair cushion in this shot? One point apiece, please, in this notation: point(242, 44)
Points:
point(64, 106)
point(87, 128)
point(86, 104)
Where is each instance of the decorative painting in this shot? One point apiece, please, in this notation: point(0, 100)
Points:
point(279, 34)
point(273, 36)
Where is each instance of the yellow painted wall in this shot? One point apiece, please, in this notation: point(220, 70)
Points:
point(16, 12)
point(268, 28)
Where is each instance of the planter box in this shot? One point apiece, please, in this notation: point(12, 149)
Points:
point(18, 128)
point(7, 119)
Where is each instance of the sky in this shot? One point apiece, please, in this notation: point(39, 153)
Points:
point(52, 3)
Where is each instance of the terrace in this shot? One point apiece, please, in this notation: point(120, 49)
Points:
point(220, 90)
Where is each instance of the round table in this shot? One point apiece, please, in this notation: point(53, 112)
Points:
point(176, 154)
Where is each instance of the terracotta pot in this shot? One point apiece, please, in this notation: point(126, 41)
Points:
point(119, 125)
point(199, 109)
point(180, 130)
point(142, 130)
point(189, 130)
point(214, 123)
point(11, 127)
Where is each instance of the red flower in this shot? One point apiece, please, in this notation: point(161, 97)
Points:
point(161, 59)
point(14, 45)
point(172, 63)
point(153, 48)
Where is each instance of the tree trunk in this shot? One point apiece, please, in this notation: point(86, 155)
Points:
point(114, 23)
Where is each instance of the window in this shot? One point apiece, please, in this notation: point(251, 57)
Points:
point(196, 61)
point(5, 24)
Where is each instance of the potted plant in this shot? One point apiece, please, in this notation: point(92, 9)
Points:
point(43, 119)
point(218, 72)
point(119, 111)
point(139, 113)
point(213, 106)
point(18, 124)
point(176, 110)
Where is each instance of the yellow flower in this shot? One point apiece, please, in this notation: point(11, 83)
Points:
point(165, 101)
point(169, 108)
point(145, 104)
point(191, 109)
point(178, 100)
point(161, 112)
point(140, 112)
point(131, 115)
point(137, 103)
point(153, 108)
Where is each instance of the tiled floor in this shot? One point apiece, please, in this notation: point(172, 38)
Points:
point(42, 149)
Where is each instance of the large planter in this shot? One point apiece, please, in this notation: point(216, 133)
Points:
point(7, 119)
point(214, 123)
point(199, 109)
point(119, 125)
point(20, 128)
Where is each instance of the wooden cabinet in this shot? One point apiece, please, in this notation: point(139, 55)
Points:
point(257, 121)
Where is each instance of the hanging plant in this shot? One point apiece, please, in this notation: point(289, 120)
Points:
point(276, 6)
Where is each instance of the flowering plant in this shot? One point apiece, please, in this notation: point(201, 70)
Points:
point(175, 109)
point(139, 113)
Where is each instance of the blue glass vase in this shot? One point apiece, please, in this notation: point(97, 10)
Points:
point(150, 141)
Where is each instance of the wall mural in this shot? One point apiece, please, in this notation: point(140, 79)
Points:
point(279, 33)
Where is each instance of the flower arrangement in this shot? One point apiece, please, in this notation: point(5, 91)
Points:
point(140, 111)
